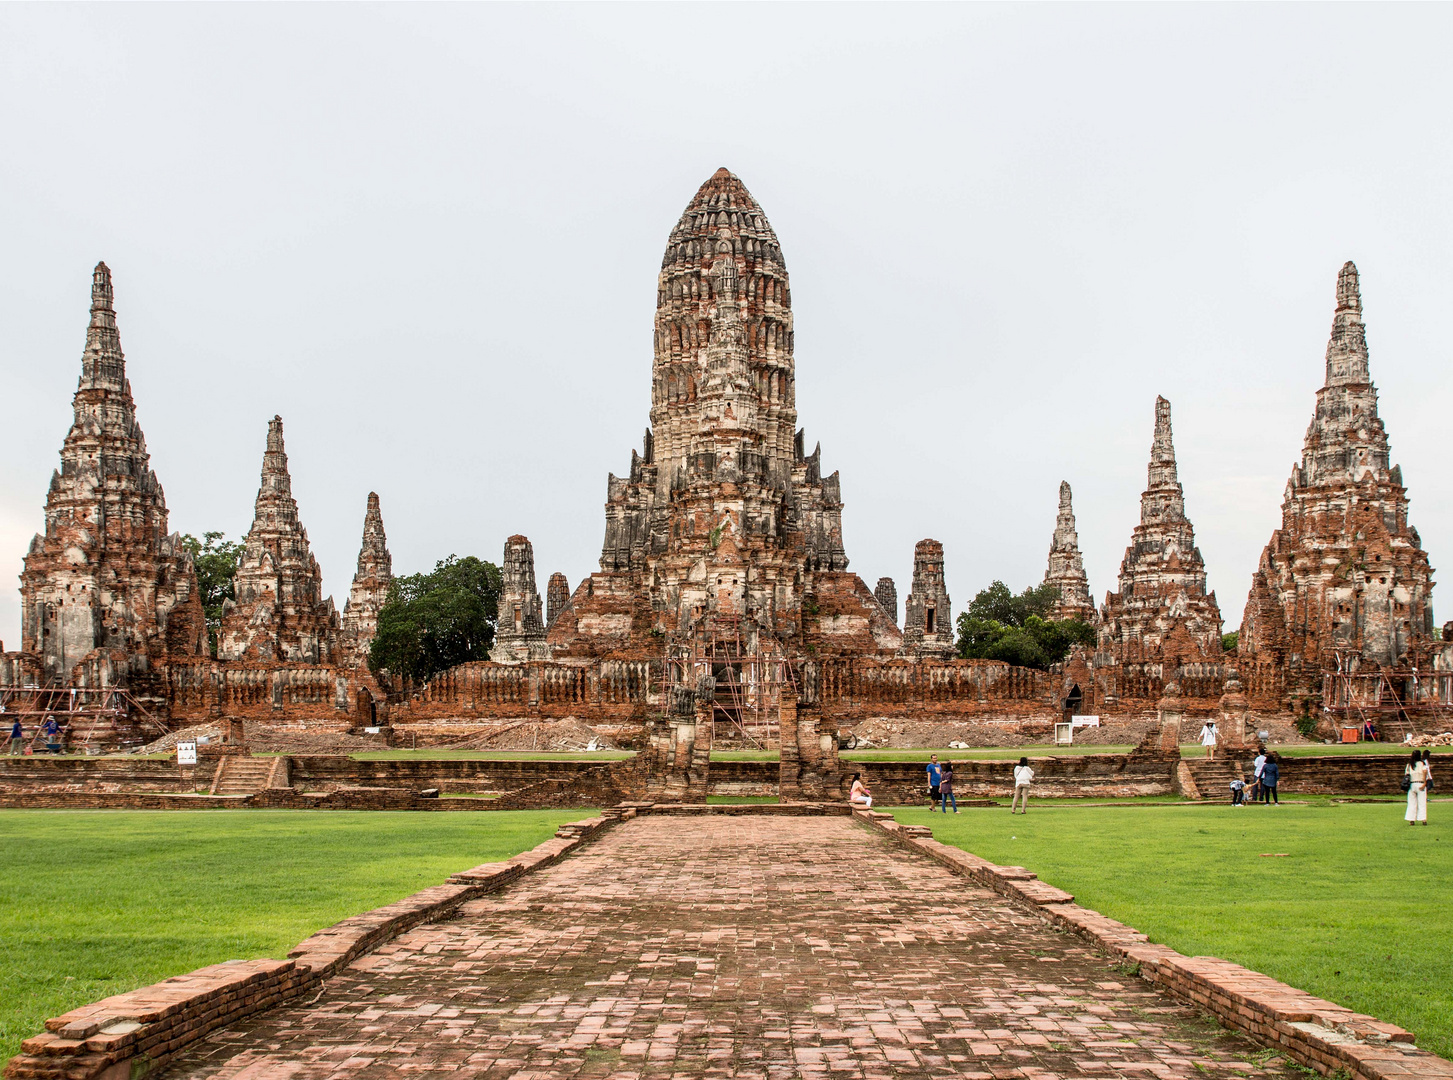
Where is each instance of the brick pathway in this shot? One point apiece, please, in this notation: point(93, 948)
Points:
point(753, 947)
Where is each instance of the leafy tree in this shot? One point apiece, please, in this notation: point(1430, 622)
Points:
point(215, 560)
point(1000, 605)
point(1228, 641)
point(433, 621)
point(999, 625)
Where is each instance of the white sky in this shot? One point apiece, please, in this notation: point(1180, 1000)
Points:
point(428, 236)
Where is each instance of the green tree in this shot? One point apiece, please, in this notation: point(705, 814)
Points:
point(215, 560)
point(433, 621)
point(999, 625)
point(1228, 641)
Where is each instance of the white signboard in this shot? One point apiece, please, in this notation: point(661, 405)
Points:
point(1084, 721)
point(186, 753)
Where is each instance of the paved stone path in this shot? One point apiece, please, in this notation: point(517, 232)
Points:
point(754, 947)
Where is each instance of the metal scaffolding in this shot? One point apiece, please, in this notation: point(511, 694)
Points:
point(1394, 699)
point(87, 709)
point(750, 667)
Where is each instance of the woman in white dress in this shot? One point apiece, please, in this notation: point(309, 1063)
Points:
point(1208, 738)
point(1417, 774)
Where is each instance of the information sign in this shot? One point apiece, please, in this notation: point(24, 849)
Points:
point(186, 753)
point(1085, 721)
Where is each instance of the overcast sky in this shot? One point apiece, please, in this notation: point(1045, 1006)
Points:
point(428, 237)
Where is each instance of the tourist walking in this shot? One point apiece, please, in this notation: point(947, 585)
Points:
point(935, 771)
point(946, 787)
point(1257, 766)
point(1023, 777)
point(17, 737)
point(1208, 738)
point(1270, 775)
point(859, 795)
point(1415, 775)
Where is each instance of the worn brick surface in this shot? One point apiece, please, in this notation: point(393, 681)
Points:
point(758, 947)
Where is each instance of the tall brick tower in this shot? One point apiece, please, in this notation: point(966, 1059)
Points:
point(106, 574)
point(1066, 570)
point(280, 612)
point(723, 517)
point(370, 587)
point(1345, 570)
point(1162, 611)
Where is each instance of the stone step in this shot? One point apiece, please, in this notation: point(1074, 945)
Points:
point(242, 776)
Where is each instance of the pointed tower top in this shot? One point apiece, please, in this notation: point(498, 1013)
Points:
point(1349, 295)
point(101, 288)
point(722, 174)
point(1347, 349)
point(1162, 469)
point(373, 502)
point(103, 367)
point(275, 478)
point(1066, 497)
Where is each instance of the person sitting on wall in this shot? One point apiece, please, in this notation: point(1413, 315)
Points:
point(860, 795)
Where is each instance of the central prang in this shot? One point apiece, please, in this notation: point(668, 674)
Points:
point(724, 529)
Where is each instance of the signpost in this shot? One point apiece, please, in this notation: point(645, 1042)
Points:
point(187, 764)
point(1084, 721)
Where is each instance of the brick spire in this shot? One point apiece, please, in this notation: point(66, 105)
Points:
point(1162, 577)
point(370, 586)
point(133, 587)
point(280, 612)
point(1347, 349)
point(1066, 570)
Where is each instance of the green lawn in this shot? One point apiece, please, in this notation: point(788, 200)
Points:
point(1357, 913)
point(99, 902)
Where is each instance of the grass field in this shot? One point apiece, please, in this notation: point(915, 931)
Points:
point(99, 902)
point(1357, 911)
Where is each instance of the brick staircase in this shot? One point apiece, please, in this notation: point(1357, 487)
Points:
point(243, 775)
point(1213, 778)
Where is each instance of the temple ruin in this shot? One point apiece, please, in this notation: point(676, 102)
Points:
point(1342, 593)
point(723, 611)
point(928, 625)
point(1162, 613)
point(107, 594)
point(1066, 570)
point(369, 592)
point(279, 612)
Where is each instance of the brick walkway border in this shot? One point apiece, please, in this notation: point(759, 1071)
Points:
point(1312, 1032)
point(127, 1036)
